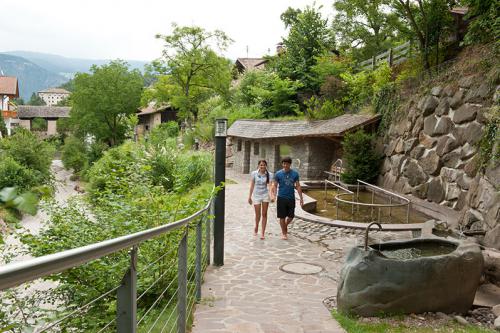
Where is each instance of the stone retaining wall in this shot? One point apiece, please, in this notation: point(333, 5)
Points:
point(432, 154)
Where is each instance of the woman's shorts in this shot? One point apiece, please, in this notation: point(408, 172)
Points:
point(258, 199)
point(285, 208)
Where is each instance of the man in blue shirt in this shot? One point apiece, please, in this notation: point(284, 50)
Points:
point(286, 181)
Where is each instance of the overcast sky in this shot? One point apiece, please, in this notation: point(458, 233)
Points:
point(125, 29)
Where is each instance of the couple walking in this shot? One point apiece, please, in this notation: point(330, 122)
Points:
point(263, 187)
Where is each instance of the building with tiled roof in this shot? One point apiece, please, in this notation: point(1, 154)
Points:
point(52, 96)
point(26, 114)
point(313, 145)
point(9, 89)
point(246, 64)
point(152, 116)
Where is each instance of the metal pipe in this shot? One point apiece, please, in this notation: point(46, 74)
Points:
point(366, 232)
point(383, 190)
point(182, 284)
point(126, 308)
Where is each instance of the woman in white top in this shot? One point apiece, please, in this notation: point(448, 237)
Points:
point(260, 195)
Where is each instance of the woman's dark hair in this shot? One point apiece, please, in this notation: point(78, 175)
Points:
point(286, 160)
point(267, 173)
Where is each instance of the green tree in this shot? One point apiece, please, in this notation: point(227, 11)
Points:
point(308, 38)
point(3, 128)
point(486, 23)
point(104, 100)
point(35, 100)
point(365, 28)
point(428, 20)
point(190, 70)
point(362, 162)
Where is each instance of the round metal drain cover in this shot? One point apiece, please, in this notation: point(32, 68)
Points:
point(302, 268)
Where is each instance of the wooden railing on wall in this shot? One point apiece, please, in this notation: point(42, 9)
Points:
point(393, 56)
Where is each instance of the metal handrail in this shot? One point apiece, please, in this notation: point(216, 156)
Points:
point(14, 274)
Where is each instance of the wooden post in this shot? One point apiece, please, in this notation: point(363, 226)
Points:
point(374, 60)
point(389, 58)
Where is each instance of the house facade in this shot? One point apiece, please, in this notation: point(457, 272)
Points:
point(313, 145)
point(52, 96)
point(9, 89)
point(152, 116)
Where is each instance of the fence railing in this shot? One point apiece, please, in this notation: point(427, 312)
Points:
point(354, 202)
point(179, 290)
point(392, 56)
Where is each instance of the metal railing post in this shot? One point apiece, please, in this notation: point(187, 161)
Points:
point(408, 213)
point(126, 310)
point(182, 284)
point(208, 231)
point(198, 260)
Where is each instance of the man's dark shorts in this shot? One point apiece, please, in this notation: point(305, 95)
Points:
point(285, 208)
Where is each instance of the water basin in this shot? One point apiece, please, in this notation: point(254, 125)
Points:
point(418, 250)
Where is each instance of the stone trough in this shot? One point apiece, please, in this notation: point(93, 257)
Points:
point(414, 276)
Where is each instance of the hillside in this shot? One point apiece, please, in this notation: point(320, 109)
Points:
point(31, 77)
point(67, 66)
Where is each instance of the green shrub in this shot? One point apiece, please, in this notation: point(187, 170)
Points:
point(382, 77)
point(362, 162)
point(360, 87)
point(13, 174)
point(74, 154)
point(204, 131)
point(317, 108)
point(30, 152)
point(3, 128)
point(39, 124)
point(192, 169)
point(160, 134)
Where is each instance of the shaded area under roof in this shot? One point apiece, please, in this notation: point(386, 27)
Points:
point(31, 111)
point(262, 129)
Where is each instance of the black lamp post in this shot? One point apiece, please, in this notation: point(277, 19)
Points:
point(220, 178)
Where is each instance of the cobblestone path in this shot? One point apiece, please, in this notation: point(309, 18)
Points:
point(250, 293)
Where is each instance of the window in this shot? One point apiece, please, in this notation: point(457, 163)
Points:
point(239, 145)
point(256, 148)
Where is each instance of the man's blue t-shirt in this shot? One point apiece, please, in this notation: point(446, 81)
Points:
point(286, 183)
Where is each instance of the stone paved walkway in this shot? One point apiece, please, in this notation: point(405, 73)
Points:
point(250, 293)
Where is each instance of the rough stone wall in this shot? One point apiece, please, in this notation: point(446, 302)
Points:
point(432, 153)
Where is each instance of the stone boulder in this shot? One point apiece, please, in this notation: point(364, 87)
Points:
point(426, 141)
point(444, 126)
point(415, 173)
point(493, 173)
point(465, 113)
point(430, 163)
point(457, 99)
point(449, 175)
point(420, 191)
point(446, 144)
point(435, 190)
point(397, 162)
point(429, 124)
point(417, 152)
point(436, 91)
point(468, 151)
point(492, 238)
point(492, 265)
point(409, 145)
point(478, 94)
point(449, 90)
point(417, 127)
point(443, 107)
point(467, 82)
point(428, 104)
point(371, 283)
point(464, 181)
point(452, 158)
point(472, 167)
point(452, 192)
point(473, 133)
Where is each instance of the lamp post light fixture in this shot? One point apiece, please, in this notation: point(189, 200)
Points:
point(221, 127)
point(220, 179)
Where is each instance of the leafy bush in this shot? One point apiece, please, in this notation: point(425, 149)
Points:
point(160, 134)
point(13, 174)
point(74, 154)
point(192, 169)
point(359, 87)
point(39, 124)
point(31, 153)
point(3, 128)
point(362, 162)
point(322, 109)
point(485, 23)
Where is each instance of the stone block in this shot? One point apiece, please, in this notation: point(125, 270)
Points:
point(481, 116)
point(389, 150)
point(462, 200)
point(452, 191)
point(471, 167)
point(430, 163)
point(492, 238)
point(457, 99)
point(444, 126)
point(420, 191)
point(396, 162)
point(465, 113)
point(493, 173)
point(449, 175)
point(451, 159)
point(429, 124)
point(466, 82)
point(428, 104)
point(443, 107)
point(399, 146)
point(492, 269)
point(464, 181)
point(468, 151)
point(436, 91)
point(446, 144)
point(473, 133)
point(478, 94)
point(418, 126)
point(415, 174)
point(485, 195)
point(417, 152)
point(435, 191)
point(386, 165)
point(409, 145)
point(426, 141)
point(449, 90)
point(492, 213)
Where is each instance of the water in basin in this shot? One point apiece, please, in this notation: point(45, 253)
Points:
point(416, 250)
point(328, 208)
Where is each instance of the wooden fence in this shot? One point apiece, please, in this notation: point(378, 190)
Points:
point(393, 56)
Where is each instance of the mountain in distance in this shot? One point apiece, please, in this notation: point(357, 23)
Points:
point(30, 76)
point(68, 67)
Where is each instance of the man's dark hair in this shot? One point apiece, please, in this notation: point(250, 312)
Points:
point(286, 160)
